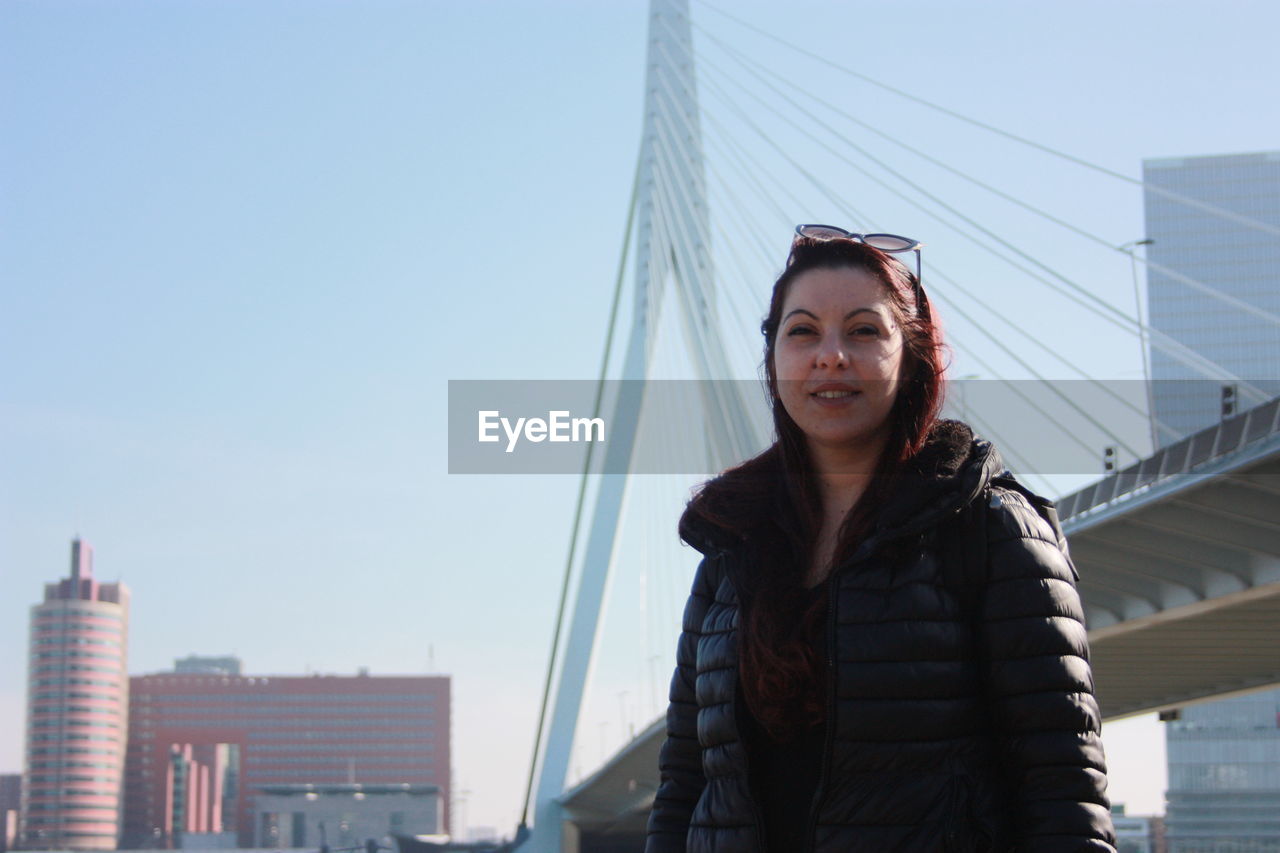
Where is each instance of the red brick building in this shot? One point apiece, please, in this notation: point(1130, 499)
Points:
point(200, 745)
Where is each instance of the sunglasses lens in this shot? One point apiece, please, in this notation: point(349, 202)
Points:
point(890, 242)
point(821, 232)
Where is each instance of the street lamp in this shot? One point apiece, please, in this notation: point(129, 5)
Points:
point(1130, 249)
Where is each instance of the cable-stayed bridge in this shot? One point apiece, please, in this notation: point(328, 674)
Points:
point(1178, 546)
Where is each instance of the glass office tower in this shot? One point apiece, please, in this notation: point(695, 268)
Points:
point(1224, 776)
point(1227, 255)
point(1224, 756)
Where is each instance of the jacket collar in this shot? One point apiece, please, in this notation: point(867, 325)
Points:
point(948, 473)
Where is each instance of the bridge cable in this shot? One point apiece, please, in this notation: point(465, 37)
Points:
point(813, 180)
point(581, 499)
point(1048, 350)
point(669, 132)
point(1013, 355)
point(666, 190)
point(1048, 383)
point(1020, 465)
point(748, 235)
point(1102, 386)
point(1069, 402)
point(745, 159)
point(666, 203)
point(1101, 308)
point(755, 69)
point(1010, 384)
point(1234, 301)
point(737, 208)
point(1162, 341)
point(1052, 387)
point(1155, 188)
point(1082, 411)
point(748, 178)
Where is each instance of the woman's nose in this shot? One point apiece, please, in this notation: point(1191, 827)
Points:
point(831, 354)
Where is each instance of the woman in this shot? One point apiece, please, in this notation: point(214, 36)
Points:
point(883, 649)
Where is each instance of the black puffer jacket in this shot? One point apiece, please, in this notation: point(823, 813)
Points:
point(961, 714)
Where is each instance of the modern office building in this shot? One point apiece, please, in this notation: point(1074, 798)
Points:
point(1225, 254)
point(204, 747)
point(77, 703)
point(1224, 776)
point(341, 816)
point(1224, 757)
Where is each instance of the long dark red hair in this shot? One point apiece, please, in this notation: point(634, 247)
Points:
point(772, 502)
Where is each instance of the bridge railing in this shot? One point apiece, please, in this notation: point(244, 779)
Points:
point(1182, 457)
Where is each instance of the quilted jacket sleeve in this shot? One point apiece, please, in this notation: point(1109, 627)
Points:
point(680, 761)
point(1040, 686)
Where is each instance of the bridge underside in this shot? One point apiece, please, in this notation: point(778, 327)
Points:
point(1190, 656)
point(1180, 573)
point(610, 808)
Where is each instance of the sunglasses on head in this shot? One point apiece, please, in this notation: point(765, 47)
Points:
point(890, 243)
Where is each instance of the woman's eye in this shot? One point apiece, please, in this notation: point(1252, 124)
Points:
point(865, 331)
point(800, 330)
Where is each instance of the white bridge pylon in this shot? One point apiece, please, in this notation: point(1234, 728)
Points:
point(672, 225)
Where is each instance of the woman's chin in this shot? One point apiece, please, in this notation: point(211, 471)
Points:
point(846, 440)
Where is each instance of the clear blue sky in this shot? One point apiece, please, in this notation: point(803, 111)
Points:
point(244, 245)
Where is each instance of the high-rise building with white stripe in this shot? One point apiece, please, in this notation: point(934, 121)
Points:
point(77, 707)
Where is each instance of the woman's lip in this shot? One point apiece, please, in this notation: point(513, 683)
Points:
point(847, 397)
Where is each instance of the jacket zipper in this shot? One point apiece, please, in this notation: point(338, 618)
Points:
point(865, 550)
point(746, 753)
point(751, 796)
point(828, 740)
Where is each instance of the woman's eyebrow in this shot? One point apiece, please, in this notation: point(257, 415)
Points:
point(809, 313)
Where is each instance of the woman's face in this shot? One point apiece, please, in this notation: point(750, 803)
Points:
point(838, 357)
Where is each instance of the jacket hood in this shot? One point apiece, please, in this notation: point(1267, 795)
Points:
point(950, 470)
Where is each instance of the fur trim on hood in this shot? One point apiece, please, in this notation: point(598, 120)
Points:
point(949, 471)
